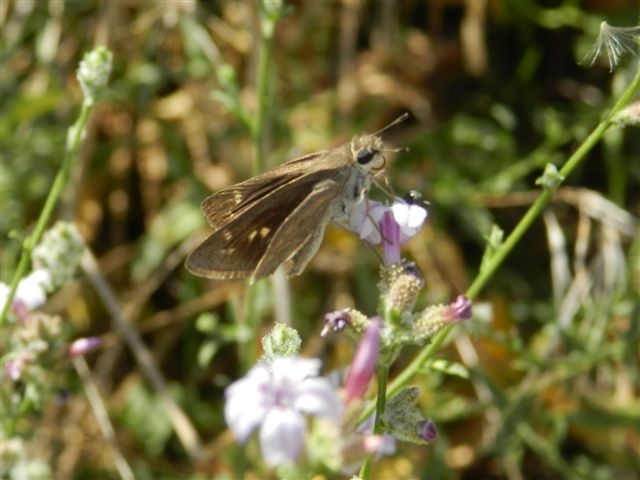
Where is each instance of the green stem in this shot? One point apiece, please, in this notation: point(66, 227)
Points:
point(74, 138)
point(503, 250)
point(541, 202)
point(382, 375)
point(267, 27)
point(267, 24)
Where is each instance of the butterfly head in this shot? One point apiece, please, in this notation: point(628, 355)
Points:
point(367, 152)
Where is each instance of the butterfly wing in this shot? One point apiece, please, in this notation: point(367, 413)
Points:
point(261, 235)
point(221, 207)
point(305, 225)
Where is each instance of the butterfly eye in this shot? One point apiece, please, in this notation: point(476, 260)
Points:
point(364, 156)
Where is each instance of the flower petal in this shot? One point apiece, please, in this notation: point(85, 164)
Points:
point(317, 397)
point(282, 436)
point(364, 218)
point(31, 291)
point(390, 238)
point(247, 401)
point(410, 218)
point(295, 369)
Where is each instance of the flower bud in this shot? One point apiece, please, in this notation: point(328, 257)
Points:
point(281, 341)
point(82, 346)
point(335, 322)
point(338, 320)
point(403, 418)
point(93, 72)
point(427, 430)
point(628, 116)
point(433, 319)
point(401, 284)
point(59, 252)
point(364, 362)
point(459, 310)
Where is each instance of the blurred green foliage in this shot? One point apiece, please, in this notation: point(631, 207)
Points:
point(553, 367)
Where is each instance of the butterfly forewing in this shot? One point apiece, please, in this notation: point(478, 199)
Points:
point(223, 206)
point(236, 248)
point(220, 207)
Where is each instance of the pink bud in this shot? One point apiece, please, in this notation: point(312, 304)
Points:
point(82, 346)
point(427, 431)
point(335, 322)
point(364, 362)
point(459, 310)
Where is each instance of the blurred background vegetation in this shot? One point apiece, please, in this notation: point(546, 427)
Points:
point(495, 90)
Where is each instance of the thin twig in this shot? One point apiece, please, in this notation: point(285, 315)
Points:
point(102, 417)
point(185, 431)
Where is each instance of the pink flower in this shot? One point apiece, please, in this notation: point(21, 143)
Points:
point(14, 368)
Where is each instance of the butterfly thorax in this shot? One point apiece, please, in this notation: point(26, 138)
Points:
point(366, 155)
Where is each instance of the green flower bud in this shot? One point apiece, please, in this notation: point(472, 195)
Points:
point(59, 252)
point(281, 341)
point(93, 72)
point(404, 419)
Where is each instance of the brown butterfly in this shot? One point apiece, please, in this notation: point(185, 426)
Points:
point(279, 217)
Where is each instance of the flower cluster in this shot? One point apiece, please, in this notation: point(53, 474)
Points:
point(277, 393)
point(35, 341)
point(55, 261)
point(34, 345)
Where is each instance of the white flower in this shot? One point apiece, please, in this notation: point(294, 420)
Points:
point(410, 216)
point(390, 226)
point(274, 398)
point(366, 217)
point(31, 291)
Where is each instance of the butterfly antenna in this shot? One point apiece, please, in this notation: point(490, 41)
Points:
point(396, 150)
point(398, 120)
